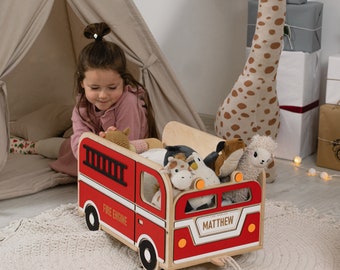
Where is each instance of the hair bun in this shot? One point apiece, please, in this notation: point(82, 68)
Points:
point(96, 31)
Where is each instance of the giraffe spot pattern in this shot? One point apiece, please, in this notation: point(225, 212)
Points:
point(279, 21)
point(248, 83)
point(272, 122)
point(272, 100)
point(275, 8)
point(241, 106)
point(234, 93)
point(227, 115)
point(269, 70)
point(275, 45)
point(235, 127)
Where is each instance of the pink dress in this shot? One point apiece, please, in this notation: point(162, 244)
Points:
point(128, 112)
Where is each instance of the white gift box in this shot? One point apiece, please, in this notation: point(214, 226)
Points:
point(333, 72)
point(297, 134)
point(333, 80)
point(298, 78)
point(332, 91)
point(298, 90)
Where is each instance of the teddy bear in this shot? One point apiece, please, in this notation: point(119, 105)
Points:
point(226, 157)
point(139, 146)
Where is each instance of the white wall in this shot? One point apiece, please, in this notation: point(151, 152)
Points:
point(205, 41)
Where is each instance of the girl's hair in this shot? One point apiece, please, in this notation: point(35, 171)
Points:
point(101, 54)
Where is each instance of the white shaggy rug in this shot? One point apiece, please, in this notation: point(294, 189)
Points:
point(59, 239)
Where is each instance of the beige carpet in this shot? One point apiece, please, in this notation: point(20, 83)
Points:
point(59, 239)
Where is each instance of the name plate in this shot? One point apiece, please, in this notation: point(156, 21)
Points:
point(216, 224)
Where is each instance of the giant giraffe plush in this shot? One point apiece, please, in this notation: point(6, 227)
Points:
point(251, 106)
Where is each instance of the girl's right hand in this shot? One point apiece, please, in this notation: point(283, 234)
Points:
point(102, 133)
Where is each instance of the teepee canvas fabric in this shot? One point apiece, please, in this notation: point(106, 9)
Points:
point(29, 80)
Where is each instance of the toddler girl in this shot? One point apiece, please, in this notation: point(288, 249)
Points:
point(107, 97)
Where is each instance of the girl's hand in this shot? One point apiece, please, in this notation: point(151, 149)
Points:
point(102, 133)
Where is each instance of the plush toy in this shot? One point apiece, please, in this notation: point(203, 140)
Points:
point(180, 175)
point(197, 165)
point(139, 146)
point(173, 150)
point(161, 155)
point(229, 157)
point(201, 170)
point(256, 157)
point(226, 157)
point(120, 137)
point(180, 172)
point(251, 107)
point(182, 180)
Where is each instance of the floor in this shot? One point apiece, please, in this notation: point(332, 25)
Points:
point(292, 184)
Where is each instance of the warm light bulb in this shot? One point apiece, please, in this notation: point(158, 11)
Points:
point(311, 172)
point(325, 176)
point(297, 160)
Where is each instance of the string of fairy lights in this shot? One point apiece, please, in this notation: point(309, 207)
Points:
point(297, 162)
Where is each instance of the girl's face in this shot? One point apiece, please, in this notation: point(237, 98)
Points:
point(102, 87)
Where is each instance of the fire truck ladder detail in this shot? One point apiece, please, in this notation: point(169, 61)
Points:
point(105, 165)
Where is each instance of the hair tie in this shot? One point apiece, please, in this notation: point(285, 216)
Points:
point(97, 37)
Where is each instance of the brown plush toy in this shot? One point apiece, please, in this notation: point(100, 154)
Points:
point(229, 157)
point(226, 157)
point(121, 138)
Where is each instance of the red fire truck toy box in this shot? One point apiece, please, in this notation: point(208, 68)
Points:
point(115, 189)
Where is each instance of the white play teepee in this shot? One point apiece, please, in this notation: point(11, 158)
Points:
point(41, 40)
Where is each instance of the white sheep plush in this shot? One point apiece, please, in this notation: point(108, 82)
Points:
point(256, 157)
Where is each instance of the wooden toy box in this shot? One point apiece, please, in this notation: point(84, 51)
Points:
point(115, 186)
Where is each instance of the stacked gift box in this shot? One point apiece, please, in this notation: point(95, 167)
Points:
point(328, 154)
point(298, 76)
point(333, 80)
point(302, 26)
